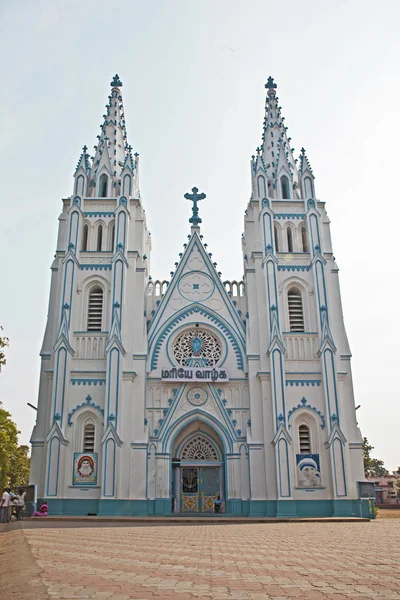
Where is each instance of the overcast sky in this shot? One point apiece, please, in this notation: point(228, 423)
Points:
point(193, 77)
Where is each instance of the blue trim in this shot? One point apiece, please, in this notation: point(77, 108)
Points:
point(84, 404)
point(293, 268)
point(94, 213)
point(87, 381)
point(234, 507)
point(289, 215)
point(96, 267)
point(303, 382)
point(49, 465)
point(303, 404)
point(105, 479)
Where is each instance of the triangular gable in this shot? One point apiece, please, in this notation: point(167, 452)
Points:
point(110, 432)
point(196, 282)
point(55, 431)
point(182, 406)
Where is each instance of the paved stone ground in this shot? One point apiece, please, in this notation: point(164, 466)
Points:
point(317, 561)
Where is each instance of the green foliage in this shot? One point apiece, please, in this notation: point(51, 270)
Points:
point(373, 467)
point(4, 343)
point(14, 460)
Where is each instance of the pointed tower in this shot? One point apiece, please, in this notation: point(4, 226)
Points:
point(301, 375)
point(114, 172)
point(95, 334)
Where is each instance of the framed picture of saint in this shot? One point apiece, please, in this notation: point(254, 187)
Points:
point(85, 468)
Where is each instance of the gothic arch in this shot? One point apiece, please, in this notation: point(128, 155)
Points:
point(218, 322)
point(180, 424)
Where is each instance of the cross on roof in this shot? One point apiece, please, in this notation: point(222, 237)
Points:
point(195, 198)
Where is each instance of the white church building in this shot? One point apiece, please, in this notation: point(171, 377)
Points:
point(158, 396)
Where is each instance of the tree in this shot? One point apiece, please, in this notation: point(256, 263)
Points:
point(4, 342)
point(373, 467)
point(14, 459)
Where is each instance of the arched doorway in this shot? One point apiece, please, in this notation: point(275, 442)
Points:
point(197, 469)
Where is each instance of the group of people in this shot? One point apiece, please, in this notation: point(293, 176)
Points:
point(8, 500)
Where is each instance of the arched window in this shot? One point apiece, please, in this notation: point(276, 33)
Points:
point(276, 239)
point(261, 186)
point(112, 237)
point(295, 305)
point(308, 188)
point(85, 234)
point(285, 187)
point(304, 439)
point(99, 237)
point(103, 186)
point(95, 309)
point(88, 438)
point(126, 185)
point(80, 182)
point(304, 239)
point(289, 234)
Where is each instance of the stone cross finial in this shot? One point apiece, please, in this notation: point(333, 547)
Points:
point(195, 198)
point(116, 82)
point(271, 85)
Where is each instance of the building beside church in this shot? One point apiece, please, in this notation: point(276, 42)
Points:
point(157, 396)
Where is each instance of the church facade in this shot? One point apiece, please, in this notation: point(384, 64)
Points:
point(159, 396)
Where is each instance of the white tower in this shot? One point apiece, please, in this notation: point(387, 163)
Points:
point(158, 396)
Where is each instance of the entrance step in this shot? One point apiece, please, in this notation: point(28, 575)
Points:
point(209, 520)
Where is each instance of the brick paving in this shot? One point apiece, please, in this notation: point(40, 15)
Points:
point(317, 561)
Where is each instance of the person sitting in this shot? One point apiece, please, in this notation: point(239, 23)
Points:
point(217, 504)
point(42, 512)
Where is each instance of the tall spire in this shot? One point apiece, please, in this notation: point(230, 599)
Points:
point(275, 154)
point(112, 152)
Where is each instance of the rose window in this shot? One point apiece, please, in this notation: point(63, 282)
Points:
point(197, 344)
point(199, 448)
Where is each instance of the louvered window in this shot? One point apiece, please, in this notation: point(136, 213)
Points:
point(95, 309)
point(304, 439)
point(296, 317)
point(88, 438)
point(103, 186)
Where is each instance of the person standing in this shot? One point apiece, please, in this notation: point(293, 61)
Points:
point(11, 497)
point(20, 504)
point(4, 506)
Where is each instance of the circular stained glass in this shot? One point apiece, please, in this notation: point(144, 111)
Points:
point(197, 343)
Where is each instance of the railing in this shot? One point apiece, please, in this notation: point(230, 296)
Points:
point(90, 344)
point(301, 346)
point(157, 287)
point(234, 288)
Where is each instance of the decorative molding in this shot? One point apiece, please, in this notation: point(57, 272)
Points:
point(99, 214)
point(289, 216)
point(303, 404)
point(87, 381)
point(293, 268)
point(303, 382)
point(92, 267)
point(84, 404)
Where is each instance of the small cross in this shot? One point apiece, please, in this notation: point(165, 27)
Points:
point(195, 198)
